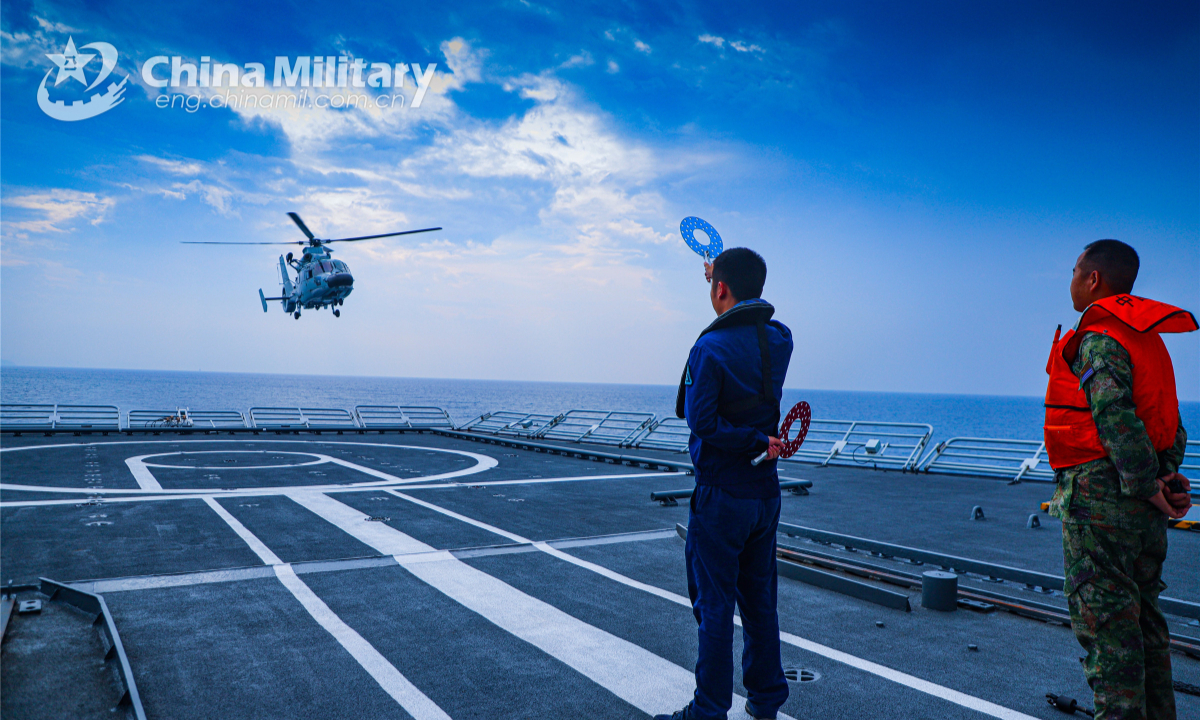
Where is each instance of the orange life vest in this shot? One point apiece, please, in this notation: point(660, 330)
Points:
point(1135, 322)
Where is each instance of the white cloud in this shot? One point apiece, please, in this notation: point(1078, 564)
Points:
point(743, 47)
point(583, 59)
point(712, 40)
point(52, 211)
point(220, 198)
point(613, 67)
point(175, 167)
point(641, 46)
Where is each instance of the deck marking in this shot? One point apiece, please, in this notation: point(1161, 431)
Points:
point(916, 683)
point(196, 494)
point(264, 553)
point(152, 582)
point(482, 463)
point(145, 479)
point(414, 702)
point(380, 536)
point(639, 677)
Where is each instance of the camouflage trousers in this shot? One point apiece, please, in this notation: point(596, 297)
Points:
point(1113, 579)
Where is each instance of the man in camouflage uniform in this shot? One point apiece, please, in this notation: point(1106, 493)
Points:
point(1114, 511)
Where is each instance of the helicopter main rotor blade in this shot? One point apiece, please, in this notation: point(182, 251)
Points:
point(300, 224)
point(372, 237)
point(217, 242)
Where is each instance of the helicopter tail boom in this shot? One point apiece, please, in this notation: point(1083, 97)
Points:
point(287, 279)
point(264, 299)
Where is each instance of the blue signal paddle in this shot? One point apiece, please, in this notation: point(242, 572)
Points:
point(688, 229)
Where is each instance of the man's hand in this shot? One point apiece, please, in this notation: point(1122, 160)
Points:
point(774, 447)
point(1178, 500)
point(1160, 501)
point(707, 272)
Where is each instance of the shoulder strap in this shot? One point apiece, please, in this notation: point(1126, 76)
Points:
point(767, 394)
point(757, 313)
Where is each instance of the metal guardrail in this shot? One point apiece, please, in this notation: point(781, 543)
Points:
point(1012, 459)
point(507, 422)
point(1191, 464)
point(666, 434)
point(65, 417)
point(427, 416)
point(307, 418)
point(830, 442)
point(865, 443)
point(27, 417)
point(598, 426)
point(90, 417)
point(416, 417)
point(186, 418)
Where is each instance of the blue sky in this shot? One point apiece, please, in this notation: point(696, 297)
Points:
point(920, 179)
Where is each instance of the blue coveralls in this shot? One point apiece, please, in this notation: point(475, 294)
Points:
point(734, 516)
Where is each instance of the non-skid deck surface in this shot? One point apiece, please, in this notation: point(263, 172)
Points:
point(422, 576)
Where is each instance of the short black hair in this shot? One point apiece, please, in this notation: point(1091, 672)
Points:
point(742, 270)
point(1117, 262)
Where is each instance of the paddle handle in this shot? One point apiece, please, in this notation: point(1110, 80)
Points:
point(755, 462)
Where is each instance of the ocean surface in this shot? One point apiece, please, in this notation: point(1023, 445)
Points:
point(950, 415)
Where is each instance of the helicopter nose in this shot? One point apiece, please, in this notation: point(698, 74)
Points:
point(339, 280)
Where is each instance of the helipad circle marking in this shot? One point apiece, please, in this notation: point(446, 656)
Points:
point(482, 463)
point(320, 459)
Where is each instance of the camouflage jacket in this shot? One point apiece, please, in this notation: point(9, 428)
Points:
point(1113, 491)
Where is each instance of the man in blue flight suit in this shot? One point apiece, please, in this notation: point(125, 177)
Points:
point(730, 395)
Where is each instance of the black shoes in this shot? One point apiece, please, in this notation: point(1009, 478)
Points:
point(684, 714)
point(757, 717)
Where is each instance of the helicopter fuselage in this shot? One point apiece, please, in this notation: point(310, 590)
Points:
point(320, 281)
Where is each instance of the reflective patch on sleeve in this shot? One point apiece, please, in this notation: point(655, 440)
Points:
point(687, 375)
point(1088, 372)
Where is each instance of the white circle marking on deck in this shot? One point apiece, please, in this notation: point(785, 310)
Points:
point(482, 463)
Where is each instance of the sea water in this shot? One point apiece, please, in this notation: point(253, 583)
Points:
point(988, 416)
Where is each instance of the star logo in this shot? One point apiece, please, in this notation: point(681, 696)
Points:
point(70, 63)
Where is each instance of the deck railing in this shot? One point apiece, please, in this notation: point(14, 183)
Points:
point(888, 445)
point(509, 423)
point(667, 434)
point(186, 418)
point(597, 426)
point(882, 445)
point(1013, 459)
point(282, 418)
point(14, 417)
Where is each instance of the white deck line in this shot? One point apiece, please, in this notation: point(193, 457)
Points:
point(264, 553)
point(414, 702)
point(135, 496)
point(959, 698)
point(145, 479)
point(395, 684)
point(629, 671)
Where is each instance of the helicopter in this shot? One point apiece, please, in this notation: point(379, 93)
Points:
point(320, 280)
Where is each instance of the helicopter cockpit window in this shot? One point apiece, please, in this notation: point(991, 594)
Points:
point(339, 266)
point(326, 266)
